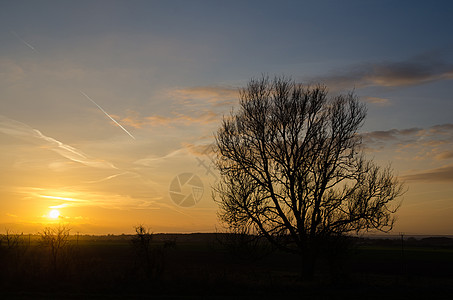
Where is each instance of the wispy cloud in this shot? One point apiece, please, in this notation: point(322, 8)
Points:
point(73, 197)
point(377, 101)
point(445, 155)
point(443, 174)
point(390, 135)
point(442, 129)
point(153, 160)
point(200, 105)
point(214, 95)
point(200, 149)
point(111, 177)
point(201, 117)
point(433, 143)
point(429, 147)
point(25, 132)
point(415, 71)
point(175, 119)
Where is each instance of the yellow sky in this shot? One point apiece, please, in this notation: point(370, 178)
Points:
point(101, 111)
point(111, 186)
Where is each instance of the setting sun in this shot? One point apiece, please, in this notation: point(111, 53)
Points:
point(54, 214)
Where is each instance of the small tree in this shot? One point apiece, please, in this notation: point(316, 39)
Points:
point(147, 257)
point(292, 168)
point(13, 254)
point(12, 239)
point(141, 241)
point(56, 239)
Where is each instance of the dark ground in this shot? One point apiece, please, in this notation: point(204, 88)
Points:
point(212, 266)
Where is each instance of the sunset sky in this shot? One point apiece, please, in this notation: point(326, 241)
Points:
point(72, 72)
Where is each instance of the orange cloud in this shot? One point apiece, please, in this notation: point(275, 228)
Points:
point(443, 174)
point(27, 133)
point(433, 143)
point(215, 95)
point(194, 105)
point(203, 118)
point(445, 155)
point(415, 71)
point(377, 101)
point(200, 149)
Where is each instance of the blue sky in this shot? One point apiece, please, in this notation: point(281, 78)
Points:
point(168, 70)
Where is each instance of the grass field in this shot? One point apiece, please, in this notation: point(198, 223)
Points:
point(199, 265)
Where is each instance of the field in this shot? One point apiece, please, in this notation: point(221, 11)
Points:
point(213, 266)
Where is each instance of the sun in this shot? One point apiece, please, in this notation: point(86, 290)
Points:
point(54, 214)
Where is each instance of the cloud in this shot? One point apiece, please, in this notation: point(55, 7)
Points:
point(443, 174)
point(389, 135)
point(445, 155)
point(202, 117)
point(200, 149)
point(377, 101)
point(110, 177)
point(25, 132)
point(434, 136)
point(192, 106)
point(86, 198)
point(215, 95)
point(175, 119)
point(415, 71)
point(152, 161)
point(433, 143)
point(442, 129)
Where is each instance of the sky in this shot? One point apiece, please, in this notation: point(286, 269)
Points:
point(108, 108)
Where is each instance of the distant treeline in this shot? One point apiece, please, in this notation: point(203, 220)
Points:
point(412, 240)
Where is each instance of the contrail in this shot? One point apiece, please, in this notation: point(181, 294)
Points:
point(107, 178)
point(23, 41)
point(108, 115)
point(27, 133)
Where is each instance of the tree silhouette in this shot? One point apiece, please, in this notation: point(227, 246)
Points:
point(293, 170)
point(56, 239)
point(141, 242)
point(150, 259)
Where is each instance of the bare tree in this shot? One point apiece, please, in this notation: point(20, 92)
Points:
point(150, 259)
point(12, 257)
point(56, 239)
point(13, 240)
point(141, 242)
point(292, 168)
